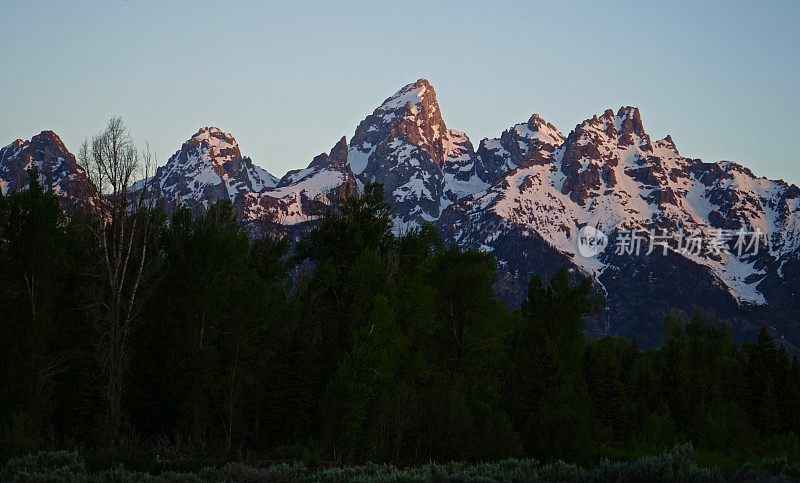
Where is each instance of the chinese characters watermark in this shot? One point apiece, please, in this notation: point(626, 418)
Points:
point(694, 242)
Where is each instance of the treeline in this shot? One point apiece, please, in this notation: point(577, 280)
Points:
point(352, 345)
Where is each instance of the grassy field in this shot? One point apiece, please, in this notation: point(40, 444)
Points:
point(677, 464)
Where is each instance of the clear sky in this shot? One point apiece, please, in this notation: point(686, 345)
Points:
point(288, 79)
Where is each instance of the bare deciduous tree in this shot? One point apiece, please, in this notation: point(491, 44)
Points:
point(124, 233)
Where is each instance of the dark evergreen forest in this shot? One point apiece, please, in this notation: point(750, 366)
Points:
point(351, 345)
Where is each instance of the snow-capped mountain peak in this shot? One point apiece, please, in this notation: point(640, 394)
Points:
point(411, 113)
point(59, 171)
point(417, 94)
point(217, 145)
point(406, 145)
point(209, 167)
point(538, 129)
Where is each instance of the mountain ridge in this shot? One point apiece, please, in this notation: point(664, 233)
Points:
point(524, 196)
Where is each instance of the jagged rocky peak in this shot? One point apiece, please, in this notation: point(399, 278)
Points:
point(58, 169)
point(421, 123)
point(49, 142)
point(524, 144)
point(15, 144)
point(667, 146)
point(42, 146)
point(625, 127)
point(411, 114)
point(339, 152)
point(532, 137)
point(337, 156)
point(541, 130)
point(207, 168)
point(417, 99)
point(600, 150)
point(406, 145)
point(419, 94)
point(323, 164)
point(220, 146)
point(630, 125)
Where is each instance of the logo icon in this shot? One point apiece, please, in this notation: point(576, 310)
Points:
point(591, 241)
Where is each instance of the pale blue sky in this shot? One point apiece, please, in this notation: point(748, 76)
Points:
point(288, 79)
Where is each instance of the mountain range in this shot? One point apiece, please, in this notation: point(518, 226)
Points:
point(527, 196)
